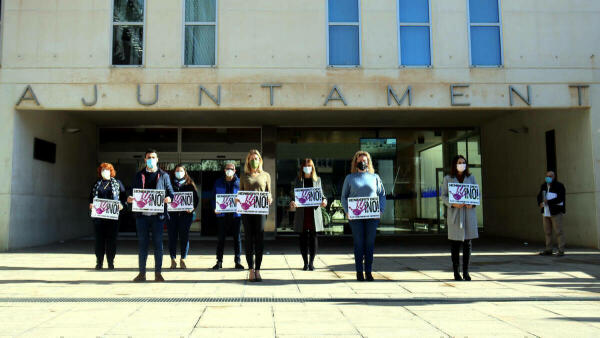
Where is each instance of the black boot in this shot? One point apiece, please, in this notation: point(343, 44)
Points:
point(305, 259)
point(454, 253)
point(99, 262)
point(369, 277)
point(311, 267)
point(360, 277)
point(457, 276)
point(217, 266)
point(466, 259)
point(111, 265)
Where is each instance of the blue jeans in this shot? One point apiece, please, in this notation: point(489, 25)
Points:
point(179, 229)
point(145, 224)
point(363, 232)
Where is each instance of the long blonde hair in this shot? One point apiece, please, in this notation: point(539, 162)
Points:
point(353, 167)
point(247, 168)
point(308, 162)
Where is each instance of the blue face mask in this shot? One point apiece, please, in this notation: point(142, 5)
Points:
point(548, 179)
point(151, 163)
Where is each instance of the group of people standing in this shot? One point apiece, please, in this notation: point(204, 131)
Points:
point(308, 221)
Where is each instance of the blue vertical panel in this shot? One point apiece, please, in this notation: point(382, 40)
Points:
point(484, 11)
point(343, 10)
point(416, 11)
point(414, 46)
point(200, 45)
point(343, 46)
point(200, 10)
point(485, 46)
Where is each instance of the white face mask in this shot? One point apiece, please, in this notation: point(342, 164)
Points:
point(461, 167)
point(105, 174)
point(229, 172)
point(307, 170)
point(179, 175)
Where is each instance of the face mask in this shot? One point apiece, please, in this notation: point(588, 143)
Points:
point(229, 172)
point(362, 165)
point(461, 167)
point(254, 164)
point(548, 179)
point(179, 175)
point(105, 174)
point(307, 170)
point(151, 163)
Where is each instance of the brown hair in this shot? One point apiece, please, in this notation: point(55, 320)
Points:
point(308, 162)
point(454, 171)
point(187, 178)
point(354, 169)
point(106, 165)
point(247, 168)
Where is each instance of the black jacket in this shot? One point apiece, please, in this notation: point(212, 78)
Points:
point(186, 188)
point(559, 189)
point(163, 183)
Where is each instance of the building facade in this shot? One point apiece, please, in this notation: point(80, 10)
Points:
point(510, 84)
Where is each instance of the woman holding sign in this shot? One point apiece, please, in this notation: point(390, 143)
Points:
point(308, 220)
point(461, 218)
point(106, 218)
point(363, 199)
point(254, 179)
point(181, 215)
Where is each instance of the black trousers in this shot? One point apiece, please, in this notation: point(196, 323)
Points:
point(308, 244)
point(254, 229)
point(455, 252)
point(232, 225)
point(106, 232)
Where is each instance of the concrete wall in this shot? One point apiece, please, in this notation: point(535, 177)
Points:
point(49, 200)
point(514, 168)
point(62, 48)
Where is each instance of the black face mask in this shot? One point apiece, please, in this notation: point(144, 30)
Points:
point(362, 165)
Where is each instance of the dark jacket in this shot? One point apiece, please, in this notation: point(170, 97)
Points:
point(221, 187)
point(163, 183)
point(553, 204)
point(108, 193)
point(185, 188)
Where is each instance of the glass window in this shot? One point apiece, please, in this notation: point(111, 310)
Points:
point(344, 32)
point(200, 32)
point(220, 139)
point(485, 33)
point(128, 32)
point(411, 163)
point(414, 32)
point(137, 139)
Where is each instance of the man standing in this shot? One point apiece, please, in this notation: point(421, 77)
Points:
point(228, 222)
point(151, 177)
point(551, 200)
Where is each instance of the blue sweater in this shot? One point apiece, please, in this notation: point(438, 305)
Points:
point(224, 187)
point(363, 185)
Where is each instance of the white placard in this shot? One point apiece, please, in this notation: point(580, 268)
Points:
point(253, 202)
point(225, 203)
point(182, 201)
point(462, 193)
point(363, 208)
point(106, 209)
point(308, 197)
point(148, 200)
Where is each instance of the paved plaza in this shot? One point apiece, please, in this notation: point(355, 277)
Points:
point(54, 291)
